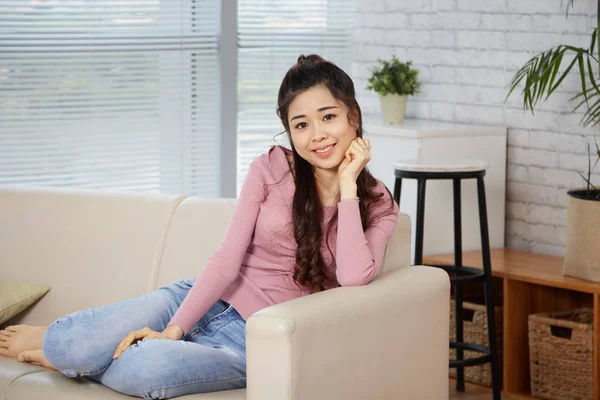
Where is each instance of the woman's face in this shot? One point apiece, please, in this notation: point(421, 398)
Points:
point(317, 120)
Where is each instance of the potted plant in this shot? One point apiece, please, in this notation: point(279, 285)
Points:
point(583, 228)
point(394, 81)
point(542, 78)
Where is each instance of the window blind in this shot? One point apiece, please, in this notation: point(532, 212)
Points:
point(271, 36)
point(120, 95)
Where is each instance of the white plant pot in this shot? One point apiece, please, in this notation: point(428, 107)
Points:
point(582, 250)
point(393, 108)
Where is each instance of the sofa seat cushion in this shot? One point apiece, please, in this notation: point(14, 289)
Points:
point(52, 385)
point(11, 370)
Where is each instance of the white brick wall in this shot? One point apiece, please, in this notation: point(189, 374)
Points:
point(467, 52)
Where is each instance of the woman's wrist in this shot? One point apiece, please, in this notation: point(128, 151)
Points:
point(348, 191)
point(173, 332)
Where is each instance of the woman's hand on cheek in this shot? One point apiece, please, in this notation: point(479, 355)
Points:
point(357, 156)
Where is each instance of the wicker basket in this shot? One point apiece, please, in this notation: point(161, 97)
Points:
point(475, 331)
point(560, 354)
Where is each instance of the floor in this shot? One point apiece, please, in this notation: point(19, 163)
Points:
point(478, 396)
point(476, 393)
point(469, 394)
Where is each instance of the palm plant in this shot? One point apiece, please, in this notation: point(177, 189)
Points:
point(542, 77)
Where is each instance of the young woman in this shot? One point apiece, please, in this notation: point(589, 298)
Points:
point(308, 219)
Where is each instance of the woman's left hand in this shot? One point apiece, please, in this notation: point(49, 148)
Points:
point(357, 156)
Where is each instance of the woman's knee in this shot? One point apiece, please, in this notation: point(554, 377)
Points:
point(157, 369)
point(70, 350)
point(58, 344)
point(138, 368)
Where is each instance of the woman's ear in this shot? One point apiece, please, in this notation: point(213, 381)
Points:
point(353, 118)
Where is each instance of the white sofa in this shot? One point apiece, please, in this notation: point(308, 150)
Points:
point(386, 340)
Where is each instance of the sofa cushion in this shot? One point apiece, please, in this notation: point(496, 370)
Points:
point(52, 385)
point(11, 370)
point(16, 296)
point(91, 247)
point(398, 254)
point(195, 233)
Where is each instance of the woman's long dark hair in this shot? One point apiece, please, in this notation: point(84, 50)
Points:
point(311, 71)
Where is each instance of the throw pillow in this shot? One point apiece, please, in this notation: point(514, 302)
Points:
point(16, 296)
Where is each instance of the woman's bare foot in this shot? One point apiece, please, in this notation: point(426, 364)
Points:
point(19, 338)
point(35, 357)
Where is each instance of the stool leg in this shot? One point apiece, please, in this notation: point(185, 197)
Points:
point(458, 287)
point(489, 296)
point(420, 221)
point(398, 190)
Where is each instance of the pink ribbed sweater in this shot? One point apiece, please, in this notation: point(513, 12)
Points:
point(253, 267)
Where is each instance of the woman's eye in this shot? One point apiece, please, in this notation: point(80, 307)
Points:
point(301, 125)
point(329, 116)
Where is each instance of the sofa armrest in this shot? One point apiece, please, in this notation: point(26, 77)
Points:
point(385, 340)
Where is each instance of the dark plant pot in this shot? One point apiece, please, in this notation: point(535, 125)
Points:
point(582, 194)
point(582, 251)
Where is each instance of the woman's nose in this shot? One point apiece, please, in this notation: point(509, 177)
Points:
point(319, 133)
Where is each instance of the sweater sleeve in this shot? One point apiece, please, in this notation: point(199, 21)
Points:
point(224, 265)
point(359, 254)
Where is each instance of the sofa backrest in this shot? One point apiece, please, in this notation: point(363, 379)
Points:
point(195, 233)
point(97, 247)
point(91, 247)
point(397, 253)
point(199, 225)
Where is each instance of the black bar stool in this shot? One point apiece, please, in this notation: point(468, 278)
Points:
point(422, 172)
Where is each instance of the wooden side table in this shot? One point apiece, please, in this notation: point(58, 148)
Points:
point(532, 283)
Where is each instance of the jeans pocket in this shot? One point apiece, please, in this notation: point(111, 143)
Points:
point(219, 309)
point(214, 320)
point(229, 330)
point(224, 319)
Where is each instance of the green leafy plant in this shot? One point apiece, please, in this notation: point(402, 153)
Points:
point(394, 77)
point(542, 76)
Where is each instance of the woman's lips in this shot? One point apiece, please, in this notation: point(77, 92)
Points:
point(327, 153)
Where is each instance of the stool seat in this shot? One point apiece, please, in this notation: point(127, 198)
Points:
point(459, 166)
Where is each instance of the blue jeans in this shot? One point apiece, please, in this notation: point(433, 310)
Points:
point(210, 357)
